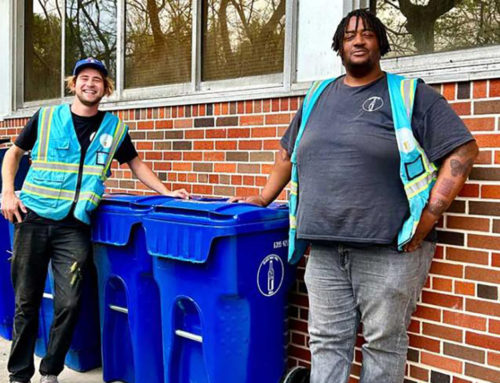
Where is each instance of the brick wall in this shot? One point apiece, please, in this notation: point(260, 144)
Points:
point(225, 149)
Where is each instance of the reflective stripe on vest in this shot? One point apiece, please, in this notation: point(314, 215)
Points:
point(50, 186)
point(417, 173)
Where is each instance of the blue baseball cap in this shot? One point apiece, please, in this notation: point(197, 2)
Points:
point(90, 62)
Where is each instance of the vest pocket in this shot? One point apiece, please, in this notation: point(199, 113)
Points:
point(414, 168)
point(46, 191)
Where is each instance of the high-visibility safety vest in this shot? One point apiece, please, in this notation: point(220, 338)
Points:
point(51, 185)
point(417, 173)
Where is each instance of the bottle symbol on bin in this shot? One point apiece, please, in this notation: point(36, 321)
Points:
point(270, 275)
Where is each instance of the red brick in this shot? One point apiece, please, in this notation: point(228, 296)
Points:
point(252, 120)
point(494, 326)
point(248, 107)
point(483, 373)
point(488, 140)
point(419, 373)
point(441, 362)
point(449, 269)
point(483, 242)
point(198, 133)
point(469, 190)
point(202, 189)
point(460, 380)
point(429, 313)
point(494, 359)
point(145, 125)
point(272, 145)
point(480, 124)
point(495, 259)
point(468, 256)
point(182, 166)
point(479, 89)
point(468, 223)
point(465, 288)
point(216, 133)
point(464, 353)
point(490, 191)
point(172, 156)
point(442, 332)
point(484, 157)
point(153, 156)
point(461, 108)
point(183, 124)
point(449, 91)
point(224, 168)
point(164, 124)
point(442, 300)
point(250, 145)
point(442, 284)
point(238, 133)
point(246, 191)
point(263, 132)
point(494, 88)
point(192, 156)
point(226, 145)
point(278, 119)
point(203, 145)
point(284, 104)
point(482, 307)
point(214, 156)
point(482, 274)
point(484, 341)
point(422, 342)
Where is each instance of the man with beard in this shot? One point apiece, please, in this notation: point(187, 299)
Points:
point(363, 154)
point(72, 147)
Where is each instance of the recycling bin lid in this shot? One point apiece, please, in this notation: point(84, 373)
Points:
point(117, 214)
point(185, 230)
point(216, 211)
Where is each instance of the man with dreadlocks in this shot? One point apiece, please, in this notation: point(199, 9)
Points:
point(375, 160)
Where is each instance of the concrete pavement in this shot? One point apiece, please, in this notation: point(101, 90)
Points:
point(67, 376)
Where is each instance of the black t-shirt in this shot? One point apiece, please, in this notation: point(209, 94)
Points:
point(85, 127)
point(348, 160)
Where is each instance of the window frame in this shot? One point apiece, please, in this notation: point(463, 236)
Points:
point(441, 67)
point(182, 93)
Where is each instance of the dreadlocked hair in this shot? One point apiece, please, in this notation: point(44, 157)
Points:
point(369, 21)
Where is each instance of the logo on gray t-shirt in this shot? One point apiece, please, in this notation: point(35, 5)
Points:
point(373, 104)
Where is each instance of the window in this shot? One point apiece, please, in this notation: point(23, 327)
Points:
point(242, 38)
point(234, 39)
point(428, 26)
point(42, 50)
point(158, 42)
point(90, 31)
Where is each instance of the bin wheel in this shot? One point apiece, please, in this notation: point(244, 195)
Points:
point(297, 374)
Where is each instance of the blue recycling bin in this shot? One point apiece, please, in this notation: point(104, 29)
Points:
point(7, 304)
point(128, 295)
point(85, 351)
point(224, 281)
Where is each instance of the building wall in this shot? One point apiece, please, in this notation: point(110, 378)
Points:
point(226, 149)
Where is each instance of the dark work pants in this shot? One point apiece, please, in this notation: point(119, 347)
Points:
point(35, 244)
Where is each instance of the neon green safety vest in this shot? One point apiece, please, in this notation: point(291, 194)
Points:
point(51, 185)
point(417, 173)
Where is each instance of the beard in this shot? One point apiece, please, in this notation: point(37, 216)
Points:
point(360, 69)
point(89, 103)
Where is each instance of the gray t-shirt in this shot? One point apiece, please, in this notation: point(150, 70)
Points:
point(348, 161)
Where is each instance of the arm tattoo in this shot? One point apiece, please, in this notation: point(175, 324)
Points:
point(445, 187)
point(437, 207)
point(284, 155)
point(460, 169)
